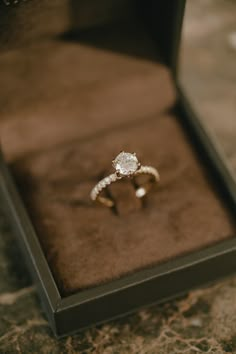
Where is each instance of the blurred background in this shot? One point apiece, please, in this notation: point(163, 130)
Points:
point(208, 68)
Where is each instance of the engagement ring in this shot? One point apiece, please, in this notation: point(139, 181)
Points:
point(126, 165)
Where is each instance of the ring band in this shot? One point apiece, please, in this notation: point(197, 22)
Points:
point(126, 165)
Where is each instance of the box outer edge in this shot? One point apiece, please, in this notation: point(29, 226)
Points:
point(213, 153)
point(220, 259)
point(29, 246)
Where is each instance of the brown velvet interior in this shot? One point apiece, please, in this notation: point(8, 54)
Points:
point(70, 107)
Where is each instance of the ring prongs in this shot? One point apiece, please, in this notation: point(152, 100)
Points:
point(118, 174)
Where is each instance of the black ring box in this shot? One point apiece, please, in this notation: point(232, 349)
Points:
point(158, 283)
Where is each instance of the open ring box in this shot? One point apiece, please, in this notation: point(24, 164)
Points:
point(81, 81)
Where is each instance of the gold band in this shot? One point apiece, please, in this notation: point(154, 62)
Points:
point(141, 190)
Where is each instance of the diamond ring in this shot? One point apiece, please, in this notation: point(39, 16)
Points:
point(126, 164)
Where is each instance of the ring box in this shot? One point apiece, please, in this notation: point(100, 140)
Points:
point(92, 80)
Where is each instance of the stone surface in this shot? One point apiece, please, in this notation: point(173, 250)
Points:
point(203, 321)
point(126, 163)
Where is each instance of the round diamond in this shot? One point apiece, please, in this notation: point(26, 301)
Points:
point(126, 163)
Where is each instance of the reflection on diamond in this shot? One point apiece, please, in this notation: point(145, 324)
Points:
point(126, 163)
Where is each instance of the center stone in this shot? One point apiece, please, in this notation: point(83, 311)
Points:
point(126, 163)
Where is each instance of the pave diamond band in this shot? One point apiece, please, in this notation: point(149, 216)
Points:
point(126, 165)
